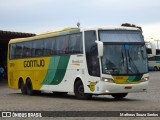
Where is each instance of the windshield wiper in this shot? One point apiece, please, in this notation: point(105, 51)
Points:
point(131, 60)
point(122, 57)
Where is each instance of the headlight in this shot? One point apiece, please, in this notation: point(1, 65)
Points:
point(144, 79)
point(108, 80)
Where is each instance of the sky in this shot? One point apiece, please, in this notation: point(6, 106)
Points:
point(38, 16)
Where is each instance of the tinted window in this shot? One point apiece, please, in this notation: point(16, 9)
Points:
point(37, 49)
point(151, 58)
point(19, 50)
point(66, 44)
point(61, 45)
point(27, 48)
point(157, 58)
point(48, 46)
point(91, 53)
point(75, 43)
point(157, 51)
point(149, 51)
point(12, 51)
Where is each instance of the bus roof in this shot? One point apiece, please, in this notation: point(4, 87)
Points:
point(68, 31)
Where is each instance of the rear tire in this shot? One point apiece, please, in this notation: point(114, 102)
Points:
point(29, 87)
point(22, 87)
point(79, 91)
point(119, 95)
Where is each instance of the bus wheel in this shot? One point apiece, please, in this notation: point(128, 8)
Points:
point(155, 68)
point(22, 87)
point(29, 87)
point(79, 91)
point(119, 95)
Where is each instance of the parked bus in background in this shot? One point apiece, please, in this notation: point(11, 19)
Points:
point(153, 56)
point(86, 62)
point(157, 51)
point(151, 48)
point(154, 63)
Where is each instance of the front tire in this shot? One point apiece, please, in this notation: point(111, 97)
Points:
point(79, 91)
point(155, 68)
point(119, 95)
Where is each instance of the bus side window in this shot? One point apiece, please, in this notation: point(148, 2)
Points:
point(75, 43)
point(157, 58)
point(150, 58)
point(47, 46)
point(58, 45)
point(64, 49)
point(53, 47)
point(19, 50)
point(37, 49)
point(12, 51)
point(72, 44)
point(27, 49)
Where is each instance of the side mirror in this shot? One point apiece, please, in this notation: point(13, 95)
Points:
point(100, 48)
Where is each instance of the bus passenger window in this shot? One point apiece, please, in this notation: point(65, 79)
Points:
point(64, 49)
point(37, 49)
point(53, 47)
point(27, 49)
point(58, 45)
point(12, 51)
point(19, 50)
point(75, 43)
point(48, 46)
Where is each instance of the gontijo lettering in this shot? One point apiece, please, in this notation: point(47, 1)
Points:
point(34, 63)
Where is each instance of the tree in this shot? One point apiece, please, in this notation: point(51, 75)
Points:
point(131, 25)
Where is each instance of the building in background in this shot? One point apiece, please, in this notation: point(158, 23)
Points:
point(5, 37)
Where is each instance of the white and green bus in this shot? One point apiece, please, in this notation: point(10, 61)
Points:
point(153, 56)
point(86, 62)
point(154, 63)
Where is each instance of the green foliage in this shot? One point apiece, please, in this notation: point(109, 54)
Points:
point(130, 25)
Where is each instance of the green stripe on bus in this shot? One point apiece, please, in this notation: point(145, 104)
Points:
point(134, 78)
point(57, 70)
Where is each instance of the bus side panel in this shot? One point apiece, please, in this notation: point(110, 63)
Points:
point(62, 72)
point(12, 75)
point(34, 69)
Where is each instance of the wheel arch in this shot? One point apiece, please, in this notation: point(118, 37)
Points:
point(155, 68)
point(19, 81)
point(77, 79)
point(28, 79)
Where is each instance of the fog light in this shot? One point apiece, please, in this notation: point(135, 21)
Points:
point(144, 79)
point(107, 91)
point(108, 80)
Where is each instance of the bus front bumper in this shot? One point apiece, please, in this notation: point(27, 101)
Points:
point(108, 88)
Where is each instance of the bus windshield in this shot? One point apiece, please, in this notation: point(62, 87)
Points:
point(124, 52)
point(124, 59)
